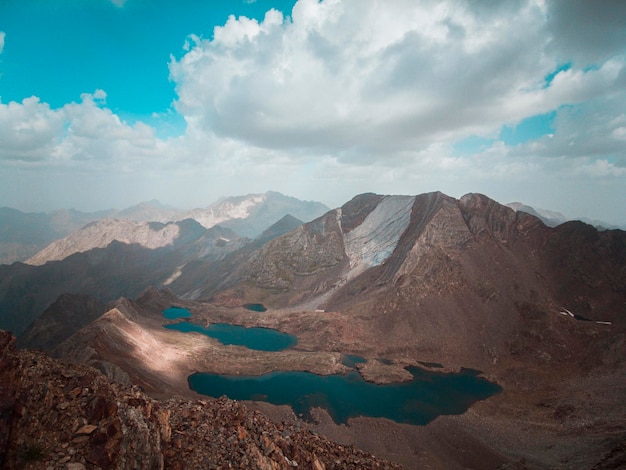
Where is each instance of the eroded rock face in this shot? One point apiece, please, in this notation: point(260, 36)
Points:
point(68, 314)
point(64, 416)
point(99, 234)
point(306, 251)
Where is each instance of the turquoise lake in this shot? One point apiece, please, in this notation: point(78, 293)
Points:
point(256, 307)
point(173, 313)
point(262, 339)
point(417, 402)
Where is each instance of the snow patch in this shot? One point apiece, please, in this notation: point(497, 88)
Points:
point(372, 242)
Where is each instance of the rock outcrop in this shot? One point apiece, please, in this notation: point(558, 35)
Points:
point(63, 416)
point(68, 314)
point(101, 233)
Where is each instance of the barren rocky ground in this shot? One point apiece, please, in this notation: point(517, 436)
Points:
point(65, 416)
point(559, 408)
point(463, 283)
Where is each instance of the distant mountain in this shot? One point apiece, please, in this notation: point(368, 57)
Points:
point(150, 211)
point(284, 225)
point(392, 251)
point(553, 218)
point(118, 269)
point(601, 224)
point(151, 224)
point(23, 234)
point(550, 218)
point(250, 215)
point(101, 233)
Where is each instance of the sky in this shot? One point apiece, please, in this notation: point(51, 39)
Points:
point(107, 103)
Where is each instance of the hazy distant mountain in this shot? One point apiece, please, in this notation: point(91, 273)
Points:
point(119, 269)
point(150, 211)
point(409, 279)
point(550, 218)
point(553, 218)
point(101, 233)
point(150, 224)
point(250, 215)
point(22, 234)
point(601, 224)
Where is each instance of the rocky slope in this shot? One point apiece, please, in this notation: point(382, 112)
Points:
point(107, 273)
point(63, 416)
point(101, 233)
point(250, 215)
point(23, 234)
point(408, 280)
point(550, 218)
point(389, 241)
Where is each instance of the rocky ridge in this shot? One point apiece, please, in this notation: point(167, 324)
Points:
point(101, 233)
point(64, 416)
point(250, 215)
point(464, 283)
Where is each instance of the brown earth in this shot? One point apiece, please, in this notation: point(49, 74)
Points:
point(470, 284)
point(64, 416)
point(561, 405)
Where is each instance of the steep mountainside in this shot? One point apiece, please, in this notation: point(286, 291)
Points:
point(403, 281)
point(470, 248)
point(107, 273)
point(60, 416)
point(68, 314)
point(101, 233)
point(250, 215)
point(24, 234)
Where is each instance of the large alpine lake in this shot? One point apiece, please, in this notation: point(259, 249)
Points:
point(419, 401)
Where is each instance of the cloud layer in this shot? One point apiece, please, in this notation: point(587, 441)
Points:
point(358, 95)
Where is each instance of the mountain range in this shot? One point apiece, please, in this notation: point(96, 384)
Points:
point(24, 235)
point(400, 280)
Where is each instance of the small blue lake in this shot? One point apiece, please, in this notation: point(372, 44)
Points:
point(417, 402)
point(173, 313)
point(262, 339)
point(255, 307)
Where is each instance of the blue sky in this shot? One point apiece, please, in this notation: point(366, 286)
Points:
point(59, 49)
point(107, 103)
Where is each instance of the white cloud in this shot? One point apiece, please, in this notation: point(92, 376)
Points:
point(119, 3)
point(28, 130)
point(369, 79)
point(364, 95)
point(2, 36)
point(85, 131)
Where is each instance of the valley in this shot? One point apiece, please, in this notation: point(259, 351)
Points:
point(548, 413)
point(422, 283)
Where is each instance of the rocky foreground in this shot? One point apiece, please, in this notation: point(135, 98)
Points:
point(64, 416)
